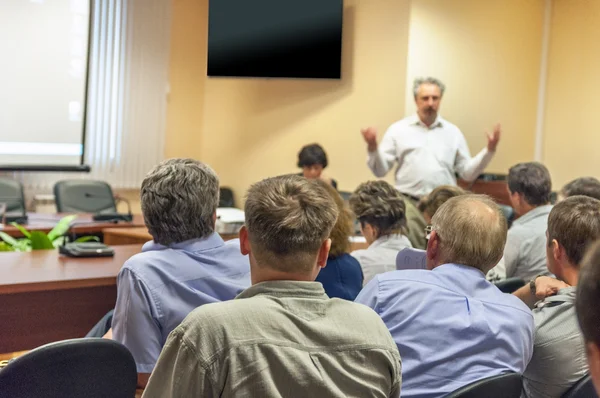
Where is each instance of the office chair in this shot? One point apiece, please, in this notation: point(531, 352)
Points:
point(11, 193)
point(510, 285)
point(88, 367)
point(507, 385)
point(345, 195)
point(226, 198)
point(582, 389)
point(84, 196)
point(509, 213)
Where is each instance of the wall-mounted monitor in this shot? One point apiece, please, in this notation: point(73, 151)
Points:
point(275, 38)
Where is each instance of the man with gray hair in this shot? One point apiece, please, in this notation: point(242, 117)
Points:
point(453, 327)
point(282, 337)
point(429, 150)
point(185, 266)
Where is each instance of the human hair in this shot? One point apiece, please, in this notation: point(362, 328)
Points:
point(586, 186)
point(343, 227)
point(472, 231)
point(440, 195)
point(588, 295)
point(312, 154)
point(179, 199)
point(532, 180)
point(427, 80)
point(380, 205)
point(288, 218)
point(575, 224)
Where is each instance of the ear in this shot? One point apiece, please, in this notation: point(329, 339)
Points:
point(214, 218)
point(244, 241)
point(433, 249)
point(323, 253)
point(558, 252)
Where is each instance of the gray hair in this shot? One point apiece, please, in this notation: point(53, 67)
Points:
point(472, 231)
point(427, 80)
point(288, 218)
point(179, 199)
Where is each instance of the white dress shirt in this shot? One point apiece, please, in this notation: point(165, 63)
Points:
point(427, 156)
point(380, 256)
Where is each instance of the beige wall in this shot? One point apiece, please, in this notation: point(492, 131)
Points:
point(488, 54)
point(572, 136)
point(248, 129)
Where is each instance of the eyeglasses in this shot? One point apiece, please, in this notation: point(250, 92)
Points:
point(428, 231)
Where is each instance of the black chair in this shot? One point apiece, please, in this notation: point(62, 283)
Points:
point(84, 196)
point(510, 285)
point(11, 193)
point(507, 385)
point(226, 198)
point(584, 388)
point(88, 367)
point(345, 195)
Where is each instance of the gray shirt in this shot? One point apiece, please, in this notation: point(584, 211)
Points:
point(380, 256)
point(279, 339)
point(558, 359)
point(525, 250)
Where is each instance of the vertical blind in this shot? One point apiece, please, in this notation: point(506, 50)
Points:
point(127, 93)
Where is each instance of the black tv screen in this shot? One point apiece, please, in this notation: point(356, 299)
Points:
point(275, 38)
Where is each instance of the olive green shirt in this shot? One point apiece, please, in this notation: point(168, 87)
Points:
point(279, 339)
point(416, 225)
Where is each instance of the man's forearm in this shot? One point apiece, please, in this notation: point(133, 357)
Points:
point(476, 165)
point(526, 296)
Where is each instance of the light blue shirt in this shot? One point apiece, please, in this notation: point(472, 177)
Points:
point(452, 327)
point(159, 287)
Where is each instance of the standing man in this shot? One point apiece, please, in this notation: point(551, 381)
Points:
point(428, 149)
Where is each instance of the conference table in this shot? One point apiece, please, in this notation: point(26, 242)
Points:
point(46, 297)
point(83, 224)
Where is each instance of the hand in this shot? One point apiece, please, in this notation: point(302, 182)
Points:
point(546, 286)
point(370, 136)
point(493, 138)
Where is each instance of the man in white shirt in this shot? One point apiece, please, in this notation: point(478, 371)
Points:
point(428, 149)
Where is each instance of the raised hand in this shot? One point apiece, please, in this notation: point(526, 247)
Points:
point(494, 137)
point(370, 136)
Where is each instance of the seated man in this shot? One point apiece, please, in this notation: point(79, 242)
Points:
point(453, 327)
point(186, 265)
point(558, 359)
point(588, 310)
point(530, 187)
point(282, 337)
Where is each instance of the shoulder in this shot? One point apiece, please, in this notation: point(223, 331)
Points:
point(402, 124)
point(360, 254)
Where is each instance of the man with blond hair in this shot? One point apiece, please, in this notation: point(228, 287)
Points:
point(451, 326)
point(282, 337)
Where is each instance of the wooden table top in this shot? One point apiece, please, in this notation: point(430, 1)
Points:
point(81, 225)
point(47, 270)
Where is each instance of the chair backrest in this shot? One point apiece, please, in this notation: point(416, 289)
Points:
point(507, 385)
point(84, 196)
point(226, 198)
point(88, 367)
point(11, 193)
point(509, 213)
point(510, 285)
point(584, 388)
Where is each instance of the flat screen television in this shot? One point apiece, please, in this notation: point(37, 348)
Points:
point(275, 38)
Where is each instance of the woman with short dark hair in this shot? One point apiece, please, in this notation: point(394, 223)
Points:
point(312, 159)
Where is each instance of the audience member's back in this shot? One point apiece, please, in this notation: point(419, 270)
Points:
point(282, 337)
point(451, 326)
point(185, 266)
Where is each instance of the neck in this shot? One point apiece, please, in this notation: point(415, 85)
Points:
point(570, 276)
point(428, 121)
point(526, 207)
point(269, 275)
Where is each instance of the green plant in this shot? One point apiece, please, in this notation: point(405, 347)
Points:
point(38, 240)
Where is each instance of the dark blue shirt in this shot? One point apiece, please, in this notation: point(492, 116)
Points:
point(342, 277)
